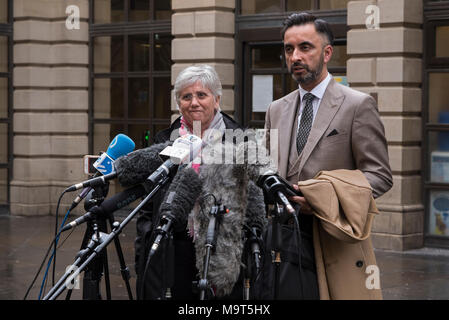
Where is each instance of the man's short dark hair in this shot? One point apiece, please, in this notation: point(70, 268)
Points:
point(298, 19)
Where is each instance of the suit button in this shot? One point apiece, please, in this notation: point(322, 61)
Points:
point(359, 264)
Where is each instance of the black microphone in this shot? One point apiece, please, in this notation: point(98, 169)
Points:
point(84, 218)
point(255, 220)
point(112, 204)
point(255, 247)
point(276, 188)
point(216, 215)
point(179, 201)
point(95, 182)
point(255, 216)
point(82, 195)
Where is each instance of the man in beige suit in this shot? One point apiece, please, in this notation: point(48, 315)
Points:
point(323, 126)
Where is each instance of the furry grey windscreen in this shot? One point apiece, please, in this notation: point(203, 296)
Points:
point(136, 166)
point(181, 196)
point(230, 185)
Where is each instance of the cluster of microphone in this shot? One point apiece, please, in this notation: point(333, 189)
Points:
point(178, 203)
point(234, 185)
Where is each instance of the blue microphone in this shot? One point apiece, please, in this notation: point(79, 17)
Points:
point(119, 146)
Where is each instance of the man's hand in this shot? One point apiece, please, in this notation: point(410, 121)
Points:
point(305, 207)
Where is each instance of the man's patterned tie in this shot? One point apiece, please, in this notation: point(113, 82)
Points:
point(306, 122)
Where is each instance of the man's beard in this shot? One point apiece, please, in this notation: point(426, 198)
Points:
point(311, 75)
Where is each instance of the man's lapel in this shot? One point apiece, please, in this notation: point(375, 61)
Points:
point(285, 130)
point(329, 106)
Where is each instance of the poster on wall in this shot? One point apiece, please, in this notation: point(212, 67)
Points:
point(262, 92)
point(342, 80)
point(439, 213)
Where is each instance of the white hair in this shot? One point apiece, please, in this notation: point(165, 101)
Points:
point(204, 73)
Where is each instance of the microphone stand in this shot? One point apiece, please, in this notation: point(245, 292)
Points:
point(276, 246)
point(216, 213)
point(99, 242)
point(93, 273)
point(252, 258)
point(248, 271)
point(92, 276)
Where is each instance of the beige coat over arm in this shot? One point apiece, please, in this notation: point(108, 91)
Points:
point(344, 210)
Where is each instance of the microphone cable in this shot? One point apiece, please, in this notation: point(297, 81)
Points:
point(201, 201)
point(59, 246)
point(298, 245)
point(56, 234)
point(53, 256)
point(54, 241)
point(40, 268)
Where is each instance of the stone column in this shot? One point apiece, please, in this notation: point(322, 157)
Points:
point(386, 62)
point(50, 104)
point(203, 32)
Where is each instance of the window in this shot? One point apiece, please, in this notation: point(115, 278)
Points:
point(273, 6)
point(264, 6)
point(114, 11)
point(3, 11)
point(5, 102)
point(435, 146)
point(300, 5)
point(109, 11)
point(130, 70)
point(441, 42)
point(333, 4)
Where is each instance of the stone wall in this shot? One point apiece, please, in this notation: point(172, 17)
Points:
point(387, 62)
point(50, 104)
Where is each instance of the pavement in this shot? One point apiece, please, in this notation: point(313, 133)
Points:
point(421, 274)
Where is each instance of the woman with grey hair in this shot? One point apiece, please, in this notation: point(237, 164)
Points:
point(198, 94)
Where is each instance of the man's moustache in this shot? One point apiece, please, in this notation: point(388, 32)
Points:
point(298, 64)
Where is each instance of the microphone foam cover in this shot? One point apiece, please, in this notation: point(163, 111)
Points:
point(120, 146)
point(136, 166)
point(255, 216)
point(181, 196)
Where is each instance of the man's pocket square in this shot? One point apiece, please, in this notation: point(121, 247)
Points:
point(333, 133)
